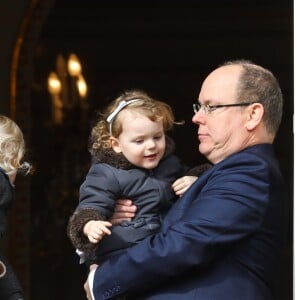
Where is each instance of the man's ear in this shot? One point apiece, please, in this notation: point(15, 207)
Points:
point(255, 114)
point(115, 145)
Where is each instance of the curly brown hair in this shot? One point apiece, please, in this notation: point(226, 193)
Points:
point(155, 110)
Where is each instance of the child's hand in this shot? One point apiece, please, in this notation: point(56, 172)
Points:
point(182, 184)
point(96, 230)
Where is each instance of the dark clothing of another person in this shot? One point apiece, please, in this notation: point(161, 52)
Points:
point(10, 288)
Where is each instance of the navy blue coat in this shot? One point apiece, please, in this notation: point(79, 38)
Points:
point(150, 190)
point(221, 240)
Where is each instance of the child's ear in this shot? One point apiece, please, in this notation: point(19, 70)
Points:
point(115, 145)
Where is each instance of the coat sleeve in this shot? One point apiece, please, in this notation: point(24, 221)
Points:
point(75, 228)
point(96, 202)
point(100, 190)
point(220, 209)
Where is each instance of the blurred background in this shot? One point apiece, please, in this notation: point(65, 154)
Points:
point(62, 61)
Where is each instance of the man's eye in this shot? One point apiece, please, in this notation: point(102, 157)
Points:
point(210, 108)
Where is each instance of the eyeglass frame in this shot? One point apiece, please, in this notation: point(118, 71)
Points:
point(207, 108)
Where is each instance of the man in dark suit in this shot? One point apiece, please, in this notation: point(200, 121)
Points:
point(223, 239)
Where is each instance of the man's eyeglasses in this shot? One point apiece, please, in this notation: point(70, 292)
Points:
point(207, 108)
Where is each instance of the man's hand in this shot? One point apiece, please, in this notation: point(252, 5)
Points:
point(124, 211)
point(87, 290)
point(86, 284)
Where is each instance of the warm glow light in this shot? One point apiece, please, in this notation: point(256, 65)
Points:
point(74, 66)
point(54, 84)
point(82, 86)
point(67, 87)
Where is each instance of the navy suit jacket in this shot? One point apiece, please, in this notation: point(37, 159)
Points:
point(221, 240)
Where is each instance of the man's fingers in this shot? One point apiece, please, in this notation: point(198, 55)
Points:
point(87, 291)
point(125, 209)
point(125, 205)
point(126, 202)
point(123, 215)
point(118, 221)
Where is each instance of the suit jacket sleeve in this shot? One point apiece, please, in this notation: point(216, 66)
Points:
point(224, 206)
point(97, 200)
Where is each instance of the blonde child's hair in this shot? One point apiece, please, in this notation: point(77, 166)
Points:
point(155, 110)
point(12, 145)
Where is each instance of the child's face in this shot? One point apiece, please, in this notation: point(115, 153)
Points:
point(142, 141)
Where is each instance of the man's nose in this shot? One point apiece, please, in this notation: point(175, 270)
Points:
point(198, 117)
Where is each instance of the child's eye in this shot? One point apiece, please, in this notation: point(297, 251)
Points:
point(158, 137)
point(138, 141)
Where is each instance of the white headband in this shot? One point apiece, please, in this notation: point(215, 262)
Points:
point(120, 106)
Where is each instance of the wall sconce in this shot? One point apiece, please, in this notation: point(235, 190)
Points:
point(67, 87)
point(74, 66)
point(54, 88)
point(82, 86)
